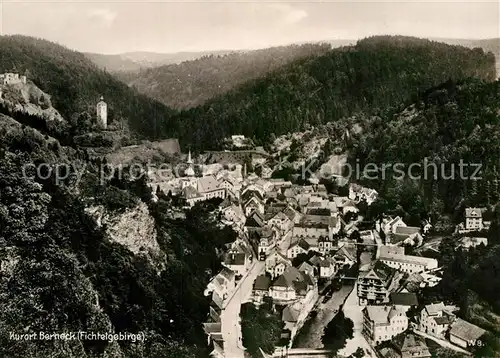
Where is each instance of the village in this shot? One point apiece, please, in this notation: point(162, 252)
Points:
point(306, 252)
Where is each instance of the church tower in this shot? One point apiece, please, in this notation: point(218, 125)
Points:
point(189, 171)
point(102, 113)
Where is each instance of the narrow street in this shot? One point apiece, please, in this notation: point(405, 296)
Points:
point(313, 328)
point(353, 311)
point(230, 318)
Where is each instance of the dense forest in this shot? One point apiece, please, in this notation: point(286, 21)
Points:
point(191, 83)
point(62, 273)
point(377, 73)
point(456, 122)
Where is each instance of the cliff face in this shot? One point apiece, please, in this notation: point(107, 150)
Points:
point(30, 99)
point(134, 229)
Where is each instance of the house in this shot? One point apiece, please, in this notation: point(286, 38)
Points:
point(407, 235)
point(435, 319)
point(292, 285)
point(327, 267)
point(349, 207)
point(405, 300)
point(374, 286)
point(388, 225)
point(344, 257)
point(410, 345)
point(229, 185)
point(237, 261)
point(222, 284)
point(426, 226)
point(473, 219)
point(325, 245)
point(307, 268)
point(267, 241)
point(234, 213)
point(192, 195)
point(254, 203)
point(382, 323)
point(282, 220)
point(276, 264)
point(317, 226)
point(468, 242)
point(299, 247)
point(412, 283)
point(358, 193)
point(406, 263)
point(261, 288)
point(465, 334)
point(294, 315)
point(254, 222)
point(209, 187)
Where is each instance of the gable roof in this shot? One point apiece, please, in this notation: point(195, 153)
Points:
point(379, 270)
point(407, 230)
point(235, 259)
point(473, 213)
point(382, 313)
point(207, 184)
point(306, 267)
point(262, 283)
point(466, 330)
point(251, 193)
point(409, 343)
point(290, 314)
point(255, 220)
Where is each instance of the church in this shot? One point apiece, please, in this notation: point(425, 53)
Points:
point(196, 189)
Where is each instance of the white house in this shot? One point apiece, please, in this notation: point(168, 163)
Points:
point(435, 319)
point(389, 225)
point(327, 267)
point(234, 213)
point(292, 285)
point(299, 247)
point(473, 219)
point(382, 323)
point(276, 264)
point(358, 193)
point(222, 284)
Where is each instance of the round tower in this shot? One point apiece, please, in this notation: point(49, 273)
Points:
point(102, 113)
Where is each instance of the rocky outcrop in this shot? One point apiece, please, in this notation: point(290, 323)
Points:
point(135, 228)
point(30, 99)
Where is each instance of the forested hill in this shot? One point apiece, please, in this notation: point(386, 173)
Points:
point(75, 85)
point(191, 83)
point(376, 73)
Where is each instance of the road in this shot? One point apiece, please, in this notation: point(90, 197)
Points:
point(353, 311)
point(230, 318)
point(313, 329)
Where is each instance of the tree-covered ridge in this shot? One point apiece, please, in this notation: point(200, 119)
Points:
point(75, 85)
point(191, 83)
point(375, 74)
point(449, 124)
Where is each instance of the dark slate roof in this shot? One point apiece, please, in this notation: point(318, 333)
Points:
point(404, 299)
point(465, 330)
point(262, 283)
point(235, 259)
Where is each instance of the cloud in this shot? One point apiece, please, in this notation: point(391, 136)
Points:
point(105, 16)
point(288, 13)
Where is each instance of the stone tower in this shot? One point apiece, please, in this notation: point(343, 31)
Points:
point(102, 113)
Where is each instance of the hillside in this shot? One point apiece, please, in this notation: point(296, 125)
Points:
point(82, 254)
point(377, 73)
point(488, 45)
point(75, 85)
point(191, 83)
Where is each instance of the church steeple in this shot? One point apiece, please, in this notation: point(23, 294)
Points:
point(189, 171)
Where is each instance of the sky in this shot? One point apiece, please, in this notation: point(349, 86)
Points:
point(184, 25)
